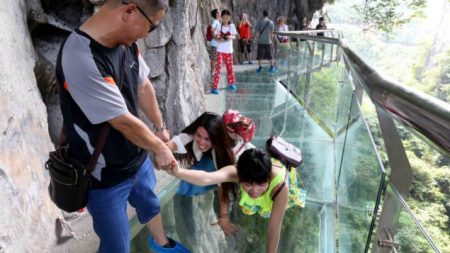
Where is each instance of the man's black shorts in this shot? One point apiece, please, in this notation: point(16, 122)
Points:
point(264, 52)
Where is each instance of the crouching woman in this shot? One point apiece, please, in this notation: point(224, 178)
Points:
point(266, 187)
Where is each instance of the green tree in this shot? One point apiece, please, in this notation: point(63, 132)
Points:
point(385, 15)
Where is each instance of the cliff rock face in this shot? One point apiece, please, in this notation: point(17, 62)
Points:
point(27, 217)
point(178, 64)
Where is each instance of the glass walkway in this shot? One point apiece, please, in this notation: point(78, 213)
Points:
point(315, 102)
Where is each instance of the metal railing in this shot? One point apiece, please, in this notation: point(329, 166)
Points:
point(425, 115)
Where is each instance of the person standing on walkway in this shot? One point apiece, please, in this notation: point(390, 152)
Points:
point(282, 27)
point(244, 28)
point(225, 34)
point(264, 35)
point(103, 80)
point(321, 26)
point(215, 22)
point(282, 42)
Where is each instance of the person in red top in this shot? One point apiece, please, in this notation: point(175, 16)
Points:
point(244, 39)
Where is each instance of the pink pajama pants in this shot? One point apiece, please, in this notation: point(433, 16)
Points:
point(228, 58)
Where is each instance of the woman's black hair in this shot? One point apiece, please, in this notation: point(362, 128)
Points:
point(254, 166)
point(220, 142)
point(225, 12)
point(214, 13)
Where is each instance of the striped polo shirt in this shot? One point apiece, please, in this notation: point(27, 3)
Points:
point(88, 75)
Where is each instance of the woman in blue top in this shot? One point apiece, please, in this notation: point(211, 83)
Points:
point(203, 145)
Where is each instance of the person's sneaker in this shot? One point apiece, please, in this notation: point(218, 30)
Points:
point(272, 70)
point(172, 247)
point(232, 88)
point(259, 70)
point(215, 91)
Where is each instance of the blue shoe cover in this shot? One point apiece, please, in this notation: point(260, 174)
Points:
point(156, 248)
point(272, 70)
point(232, 88)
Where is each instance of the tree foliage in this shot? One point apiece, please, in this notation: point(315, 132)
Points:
point(385, 15)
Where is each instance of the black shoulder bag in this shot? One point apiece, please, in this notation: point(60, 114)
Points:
point(69, 179)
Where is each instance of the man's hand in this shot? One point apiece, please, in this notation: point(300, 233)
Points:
point(173, 170)
point(163, 135)
point(164, 159)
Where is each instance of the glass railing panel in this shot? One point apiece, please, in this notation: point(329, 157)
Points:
point(328, 52)
point(317, 56)
point(344, 102)
point(358, 184)
point(322, 94)
point(282, 57)
point(317, 170)
point(295, 122)
point(298, 57)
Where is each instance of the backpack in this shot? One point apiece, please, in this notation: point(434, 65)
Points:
point(209, 33)
point(287, 153)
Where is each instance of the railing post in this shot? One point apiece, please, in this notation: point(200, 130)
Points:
point(309, 67)
point(400, 177)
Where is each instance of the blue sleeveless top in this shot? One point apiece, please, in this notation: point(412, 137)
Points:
point(188, 189)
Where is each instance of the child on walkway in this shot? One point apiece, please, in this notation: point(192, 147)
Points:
point(266, 188)
point(225, 34)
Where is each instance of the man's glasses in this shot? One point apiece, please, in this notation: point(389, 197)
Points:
point(153, 26)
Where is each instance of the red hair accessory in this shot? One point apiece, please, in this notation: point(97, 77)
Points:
point(237, 123)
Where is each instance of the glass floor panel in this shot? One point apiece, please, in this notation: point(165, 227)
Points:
point(192, 220)
point(311, 229)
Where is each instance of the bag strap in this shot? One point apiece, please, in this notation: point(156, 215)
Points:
point(278, 190)
point(282, 185)
point(105, 129)
point(264, 28)
point(100, 143)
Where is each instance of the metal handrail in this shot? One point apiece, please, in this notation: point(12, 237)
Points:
point(425, 114)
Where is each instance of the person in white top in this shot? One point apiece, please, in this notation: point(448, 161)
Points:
point(282, 42)
point(204, 145)
point(215, 22)
point(282, 27)
point(224, 34)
